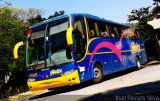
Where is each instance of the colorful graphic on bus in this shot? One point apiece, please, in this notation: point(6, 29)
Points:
point(75, 48)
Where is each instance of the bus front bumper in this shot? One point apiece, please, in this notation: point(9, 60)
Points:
point(67, 80)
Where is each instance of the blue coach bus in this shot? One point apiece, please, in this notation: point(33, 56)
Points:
point(71, 49)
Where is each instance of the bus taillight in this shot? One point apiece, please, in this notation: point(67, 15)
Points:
point(30, 32)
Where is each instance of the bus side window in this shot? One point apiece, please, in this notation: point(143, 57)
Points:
point(119, 30)
point(97, 30)
point(80, 37)
point(116, 32)
point(137, 35)
point(107, 29)
point(92, 34)
point(93, 28)
point(129, 35)
point(112, 31)
point(123, 29)
point(103, 29)
point(78, 26)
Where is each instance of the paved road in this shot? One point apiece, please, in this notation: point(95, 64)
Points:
point(131, 84)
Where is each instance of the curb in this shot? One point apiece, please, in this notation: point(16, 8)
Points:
point(153, 62)
point(26, 94)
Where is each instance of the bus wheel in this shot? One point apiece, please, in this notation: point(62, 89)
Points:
point(98, 73)
point(138, 64)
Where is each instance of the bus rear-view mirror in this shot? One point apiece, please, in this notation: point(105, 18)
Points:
point(69, 36)
point(16, 47)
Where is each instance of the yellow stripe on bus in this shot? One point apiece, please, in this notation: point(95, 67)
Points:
point(110, 52)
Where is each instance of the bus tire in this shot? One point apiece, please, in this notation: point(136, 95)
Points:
point(138, 63)
point(98, 73)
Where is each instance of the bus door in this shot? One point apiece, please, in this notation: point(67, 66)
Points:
point(80, 46)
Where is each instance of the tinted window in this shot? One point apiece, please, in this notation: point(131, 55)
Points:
point(80, 37)
point(103, 28)
point(93, 28)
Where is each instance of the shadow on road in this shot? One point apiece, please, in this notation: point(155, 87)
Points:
point(83, 85)
point(143, 92)
point(134, 90)
point(62, 90)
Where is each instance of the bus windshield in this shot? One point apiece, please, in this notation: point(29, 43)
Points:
point(56, 45)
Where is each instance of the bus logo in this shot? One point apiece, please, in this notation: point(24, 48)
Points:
point(135, 47)
point(53, 72)
point(33, 75)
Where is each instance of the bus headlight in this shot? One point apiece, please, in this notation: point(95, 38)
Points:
point(31, 80)
point(67, 73)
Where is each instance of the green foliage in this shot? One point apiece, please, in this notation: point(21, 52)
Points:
point(13, 28)
point(4, 3)
point(10, 34)
point(14, 24)
point(155, 12)
point(140, 15)
point(145, 14)
point(56, 14)
point(156, 2)
point(35, 20)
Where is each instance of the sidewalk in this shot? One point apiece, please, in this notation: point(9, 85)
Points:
point(153, 62)
point(26, 94)
point(130, 79)
point(122, 81)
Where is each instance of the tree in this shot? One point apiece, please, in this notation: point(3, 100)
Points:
point(35, 20)
point(13, 28)
point(14, 24)
point(156, 2)
point(56, 14)
point(143, 15)
point(10, 27)
point(155, 12)
point(140, 15)
point(4, 4)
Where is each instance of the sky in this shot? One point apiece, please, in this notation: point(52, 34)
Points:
point(115, 10)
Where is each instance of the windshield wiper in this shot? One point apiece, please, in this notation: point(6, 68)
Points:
point(51, 60)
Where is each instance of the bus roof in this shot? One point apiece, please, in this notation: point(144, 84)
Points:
point(101, 19)
point(78, 14)
point(49, 20)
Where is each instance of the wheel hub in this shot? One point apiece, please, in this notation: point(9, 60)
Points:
point(97, 73)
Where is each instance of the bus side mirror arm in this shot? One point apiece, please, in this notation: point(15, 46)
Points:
point(69, 36)
point(15, 51)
